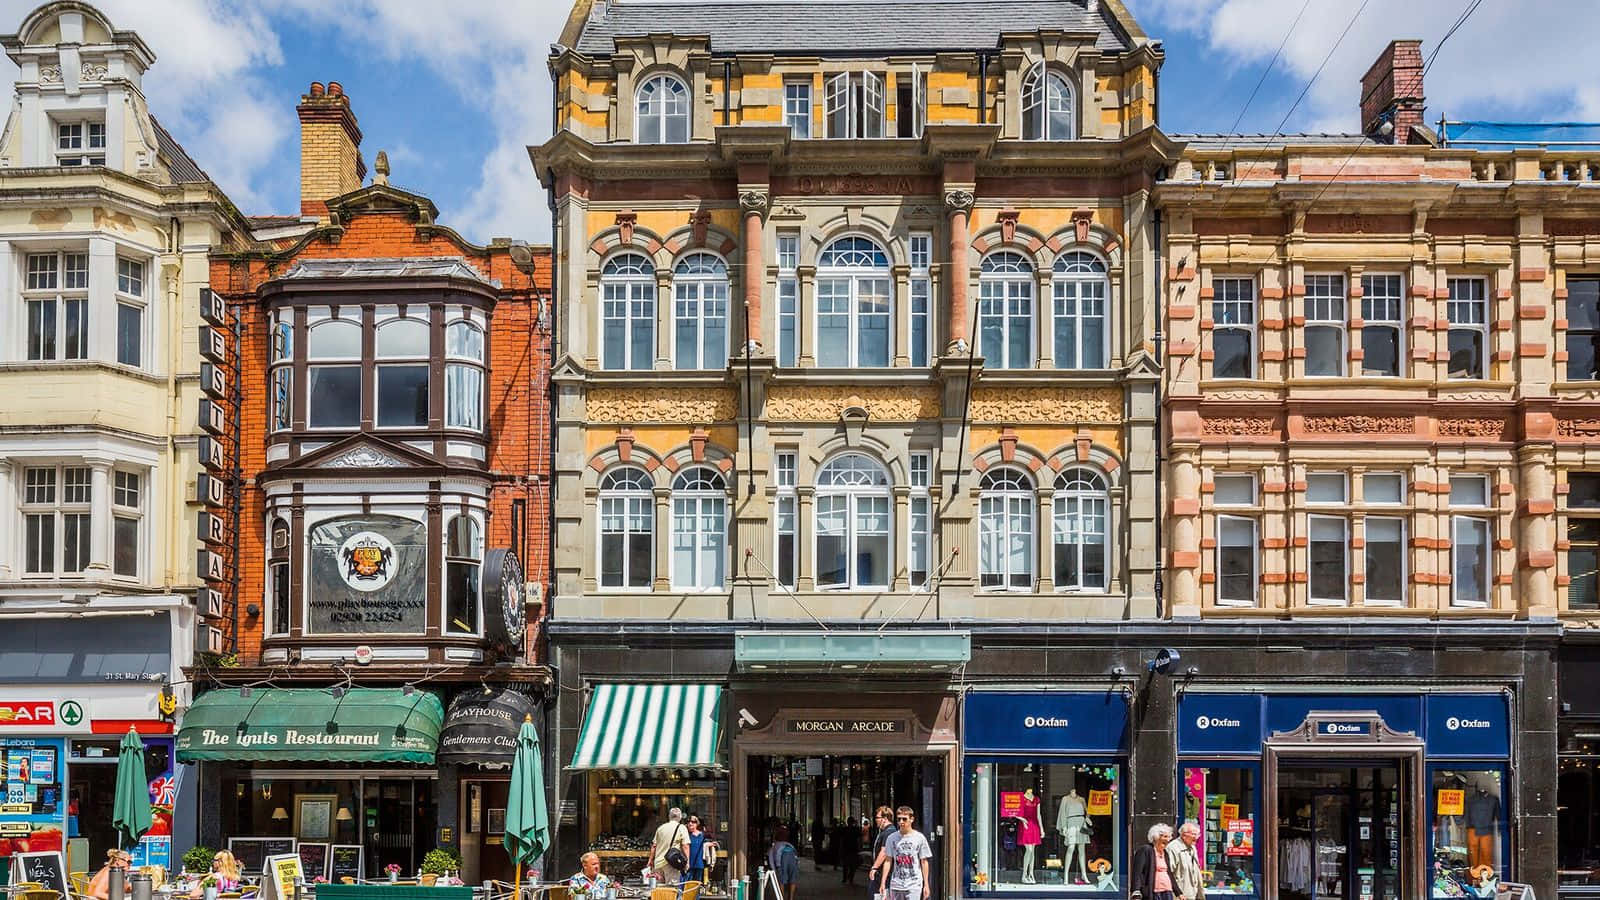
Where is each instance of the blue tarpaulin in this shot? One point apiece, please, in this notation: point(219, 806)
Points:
point(1509, 135)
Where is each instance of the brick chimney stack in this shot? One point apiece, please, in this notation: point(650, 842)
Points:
point(330, 148)
point(1394, 86)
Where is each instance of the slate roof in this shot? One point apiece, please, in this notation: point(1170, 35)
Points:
point(387, 267)
point(180, 165)
point(772, 26)
point(1258, 141)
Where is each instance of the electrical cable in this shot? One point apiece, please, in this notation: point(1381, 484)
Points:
point(1234, 131)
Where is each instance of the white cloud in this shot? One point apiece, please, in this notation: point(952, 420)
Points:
point(1521, 61)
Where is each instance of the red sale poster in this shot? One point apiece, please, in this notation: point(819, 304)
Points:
point(1010, 804)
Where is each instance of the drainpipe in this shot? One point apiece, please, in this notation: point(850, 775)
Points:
point(1160, 437)
point(727, 92)
point(983, 87)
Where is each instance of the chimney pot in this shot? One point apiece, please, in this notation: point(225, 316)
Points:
point(335, 89)
point(330, 148)
point(316, 89)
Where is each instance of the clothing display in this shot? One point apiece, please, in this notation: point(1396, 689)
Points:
point(1030, 834)
point(1480, 848)
point(1483, 811)
point(1294, 864)
point(1072, 819)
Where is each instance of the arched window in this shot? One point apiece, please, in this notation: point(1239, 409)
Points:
point(1046, 106)
point(463, 553)
point(853, 304)
point(852, 524)
point(1005, 530)
point(1079, 530)
point(699, 529)
point(663, 111)
point(463, 375)
point(333, 376)
point(402, 351)
point(628, 312)
point(627, 529)
point(1005, 311)
point(700, 312)
point(1080, 288)
point(278, 576)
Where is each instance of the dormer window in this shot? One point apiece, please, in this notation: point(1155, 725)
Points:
point(853, 105)
point(81, 143)
point(1046, 106)
point(663, 111)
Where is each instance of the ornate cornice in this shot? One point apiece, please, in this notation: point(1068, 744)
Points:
point(818, 403)
point(646, 404)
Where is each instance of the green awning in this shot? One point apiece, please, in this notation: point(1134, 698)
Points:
point(651, 726)
point(861, 652)
point(364, 725)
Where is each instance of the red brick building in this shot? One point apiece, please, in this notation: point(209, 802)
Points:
point(393, 548)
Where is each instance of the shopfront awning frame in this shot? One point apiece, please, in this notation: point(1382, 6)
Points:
point(624, 729)
point(919, 651)
point(312, 725)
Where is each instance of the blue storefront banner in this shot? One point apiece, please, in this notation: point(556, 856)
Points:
point(1045, 722)
point(1459, 726)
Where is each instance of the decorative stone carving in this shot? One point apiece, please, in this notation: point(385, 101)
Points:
point(1009, 405)
point(1578, 428)
point(699, 224)
point(93, 72)
point(1082, 218)
point(1241, 396)
point(829, 403)
point(1471, 427)
point(754, 202)
point(364, 456)
point(646, 405)
point(1359, 424)
point(50, 74)
point(1008, 224)
point(958, 201)
point(1238, 425)
point(627, 219)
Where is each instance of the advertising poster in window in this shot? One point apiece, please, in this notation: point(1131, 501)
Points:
point(155, 847)
point(1241, 837)
point(1099, 803)
point(32, 811)
point(1011, 804)
point(368, 576)
point(1452, 802)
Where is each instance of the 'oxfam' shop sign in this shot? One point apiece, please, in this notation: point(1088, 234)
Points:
point(368, 576)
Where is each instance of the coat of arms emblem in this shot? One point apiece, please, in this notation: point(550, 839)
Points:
point(367, 561)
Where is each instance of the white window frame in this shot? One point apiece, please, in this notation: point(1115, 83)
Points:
point(1462, 514)
point(465, 374)
point(788, 298)
point(280, 399)
point(699, 299)
point(623, 491)
point(1006, 278)
point(1227, 304)
point(919, 101)
point(1076, 278)
point(56, 508)
point(277, 568)
point(696, 500)
point(1216, 494)
point(57, 298)
point(628, 283)
point(1367, 500)
point(324, 318)
point(1325, 308)
point(797, 113)
point(1394, 317)
point(1255, 562)
point(122, 511)
point(669, 99)
point(1016, 495)
point(857, 276)
point(785, 480)
point(860, 96)
point(1344, 527)
point(79, 129)
point(474, 559)
point(388, 318)
point(1098, 493)
point(1366, 560)
point(919, 508)
point(1044, 91)
point(870, 481)
point(1468, 313)
point(920, 252)
point(133, 289)
point(1344, 489)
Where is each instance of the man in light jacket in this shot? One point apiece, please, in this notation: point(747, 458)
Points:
point(1188, 883)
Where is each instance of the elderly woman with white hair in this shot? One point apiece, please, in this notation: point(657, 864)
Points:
point(1150, 877)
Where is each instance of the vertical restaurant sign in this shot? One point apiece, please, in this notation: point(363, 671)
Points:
point(212, 483)
point(368, 576)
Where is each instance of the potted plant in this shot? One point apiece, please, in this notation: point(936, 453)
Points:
point(197, 860)
point(393, 870)
point(209, 887)
point(439, 862)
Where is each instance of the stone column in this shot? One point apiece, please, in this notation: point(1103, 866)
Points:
point(1044, 339)
point(663, 322)
point(1045, 535)
point(754, 205)
point(99, 515)
point(663, 540)
point(805, 572)
point(958, 205)
point(805, 307)
point(1184, 599)
point(1535, 589)
point(8, 501)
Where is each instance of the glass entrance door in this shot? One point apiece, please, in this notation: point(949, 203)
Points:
point(1341, 832)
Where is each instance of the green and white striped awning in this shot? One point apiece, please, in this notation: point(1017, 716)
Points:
point(651, 726)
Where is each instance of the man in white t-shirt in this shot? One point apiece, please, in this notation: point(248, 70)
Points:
point(907, 853)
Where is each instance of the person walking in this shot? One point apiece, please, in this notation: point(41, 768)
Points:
point(668, 866)
point(819, 834)
point(906, 853)
point(1183, 859)
point(847, 841)
point(784, 861)
point(884, 826)
point(702, 851)
point(1150, 876)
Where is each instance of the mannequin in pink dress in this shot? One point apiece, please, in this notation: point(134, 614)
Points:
point(1031, 834)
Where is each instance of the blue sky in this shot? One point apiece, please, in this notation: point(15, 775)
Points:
point(455, 91)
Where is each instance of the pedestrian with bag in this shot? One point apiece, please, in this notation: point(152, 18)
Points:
point(784, 862)
point(669, 851)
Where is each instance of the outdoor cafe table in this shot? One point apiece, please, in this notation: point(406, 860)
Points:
point(384, 891)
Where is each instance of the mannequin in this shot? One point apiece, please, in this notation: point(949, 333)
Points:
point(1483, 823)
point(1072, 822)
point(1031, 834)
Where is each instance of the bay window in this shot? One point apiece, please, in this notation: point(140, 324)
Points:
point(333, 379)
point(55, 295)
point(1005, 530)
point(852, 524)
point(463, 375)
point(56, 513)
point(278, 598)
point(282, 373)
point(402, 372)
point(127, 513)
point(463, 561)
point(130, 311)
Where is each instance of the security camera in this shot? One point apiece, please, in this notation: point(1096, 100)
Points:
point(746, 718)
point(1165, 661)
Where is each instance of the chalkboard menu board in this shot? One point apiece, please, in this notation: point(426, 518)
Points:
point(345, 862)
point(313, 860)
point(47, 868)
point(252, 852)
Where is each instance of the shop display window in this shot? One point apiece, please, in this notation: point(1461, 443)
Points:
point(1468, 815)
point(625, 811)
point(1578, 806)
point(393, 818)
point(34, 804)
point(1045, 827)
point(1222, 801)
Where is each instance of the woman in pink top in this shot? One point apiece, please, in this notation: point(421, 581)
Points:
point(1150, 879)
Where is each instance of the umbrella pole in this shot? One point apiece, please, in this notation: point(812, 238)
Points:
point(517, 888)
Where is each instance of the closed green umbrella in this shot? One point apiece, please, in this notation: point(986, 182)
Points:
point(527, 818)
point(130, 810)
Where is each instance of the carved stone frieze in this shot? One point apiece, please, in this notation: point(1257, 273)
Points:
point(1471, 427)
point(646, 405)
point(1240, 395)
point(363, 457)
point(1578, 428)
point(50, 74)
point(93, 71)
point(1238, 425)
point(1359, 424)
point(1008, 405)
point(828, 403)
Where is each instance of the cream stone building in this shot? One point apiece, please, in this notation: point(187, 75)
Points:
point(105, 226)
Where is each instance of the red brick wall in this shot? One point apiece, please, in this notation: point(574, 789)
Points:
point(518, 386)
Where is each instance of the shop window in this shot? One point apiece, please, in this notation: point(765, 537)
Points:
point(1079, 530)
point(1583, 329)
point(1222, 801)
point(1005, 530)
point(1048, 827)
point(1233, 328)
point(1047, 105)
point(1325, 324)
point(1468, 311)
point(1005, 311)
point(1078, 292)
point(663, 111)
point(852, 524)
point(700, 312)
point(1469, 820)
point(402, 359)
point(627, 529)
point(463, 559)
point(624, 811)
point(699, 529)
point(627, 313)
point(333, 389)
point(853, 299)
point(1382, 326)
